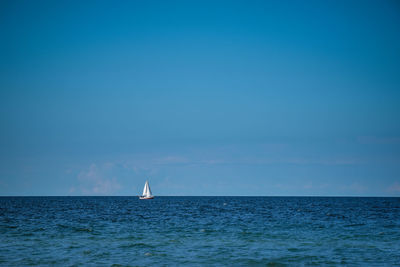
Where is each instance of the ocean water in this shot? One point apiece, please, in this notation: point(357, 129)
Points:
point(199, 231)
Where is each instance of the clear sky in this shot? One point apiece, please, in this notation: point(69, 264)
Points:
point(200, 97)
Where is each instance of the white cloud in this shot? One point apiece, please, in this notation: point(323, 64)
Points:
point(96, 181)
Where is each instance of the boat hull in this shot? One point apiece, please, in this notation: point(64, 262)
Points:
point(140, 197)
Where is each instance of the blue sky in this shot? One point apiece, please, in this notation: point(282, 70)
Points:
point(200, 97)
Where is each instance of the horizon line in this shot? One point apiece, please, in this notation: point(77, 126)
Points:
point(200, 196)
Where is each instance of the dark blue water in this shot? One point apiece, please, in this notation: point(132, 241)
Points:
point(229, 231)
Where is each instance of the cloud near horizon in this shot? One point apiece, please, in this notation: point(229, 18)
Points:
point(191, 173)
point(96, 181)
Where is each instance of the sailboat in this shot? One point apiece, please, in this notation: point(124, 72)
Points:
point(146, 192)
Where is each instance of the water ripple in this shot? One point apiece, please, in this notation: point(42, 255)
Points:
point(201, 231)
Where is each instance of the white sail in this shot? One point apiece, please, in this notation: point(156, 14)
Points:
point(146, 190)
point(148, 186)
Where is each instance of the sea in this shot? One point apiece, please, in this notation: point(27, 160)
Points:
point(199, 231)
